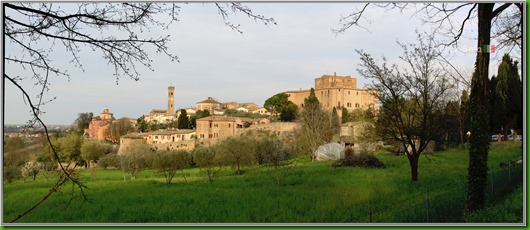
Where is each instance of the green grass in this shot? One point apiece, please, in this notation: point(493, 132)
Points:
point(310, 193)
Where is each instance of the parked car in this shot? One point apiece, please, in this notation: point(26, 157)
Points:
point(519, 137)
point(495, 137)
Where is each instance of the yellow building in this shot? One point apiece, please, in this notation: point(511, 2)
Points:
point(337, 91)
point(209, 104)
point(214, 128)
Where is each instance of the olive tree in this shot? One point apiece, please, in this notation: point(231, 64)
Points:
point(208, 161)
point(167, 163)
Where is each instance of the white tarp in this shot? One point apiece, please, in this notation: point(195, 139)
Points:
point(329, 152)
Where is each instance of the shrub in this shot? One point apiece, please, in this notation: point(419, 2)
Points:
point(358, 160)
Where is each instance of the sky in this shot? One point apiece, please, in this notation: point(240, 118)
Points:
point(217, 62)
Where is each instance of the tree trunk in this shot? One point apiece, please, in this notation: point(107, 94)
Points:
point(238, 169)
point(413, 161)
point(479, 116)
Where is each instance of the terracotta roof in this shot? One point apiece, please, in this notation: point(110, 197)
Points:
point(223, 118)
point(171, 132)
point(210, 101)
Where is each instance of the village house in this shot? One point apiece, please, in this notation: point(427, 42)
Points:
point(337, 91)
point(210, 104)
point(261, 111)
point(172, 139)
point(214, 128)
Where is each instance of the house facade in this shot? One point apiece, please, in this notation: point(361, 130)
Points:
point(214, 128)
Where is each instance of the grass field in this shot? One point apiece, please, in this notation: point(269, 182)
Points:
point(310, 193)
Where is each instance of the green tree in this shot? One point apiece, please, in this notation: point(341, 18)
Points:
point(13, 144)
point(136, 160)
point(82, 121)
point(335, 122)
point(208, 161)
point(70, 147)
point(315, 129)
point(91, 151)
point(345, 115)
point(167, 163)
point(279, 105)
point(183, 121)
point(509, 95)
point(289, 113)
point(270, 150)
point(236, 151)
point(199, 114)
point(463, 117)
point(143, 126)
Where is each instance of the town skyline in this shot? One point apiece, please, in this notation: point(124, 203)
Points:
point(218, 62)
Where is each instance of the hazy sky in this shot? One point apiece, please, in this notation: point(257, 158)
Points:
point(218, 62)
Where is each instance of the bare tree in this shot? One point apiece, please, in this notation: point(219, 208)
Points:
point(316, 126)
point(443, 16)
point(410, 98)
point(116, 30)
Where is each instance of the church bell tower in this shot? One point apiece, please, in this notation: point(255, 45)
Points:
point(170, 100)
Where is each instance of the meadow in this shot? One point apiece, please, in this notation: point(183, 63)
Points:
point(309, 193)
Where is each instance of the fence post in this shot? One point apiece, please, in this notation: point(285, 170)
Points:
point(427, 204)
point(510, 173)
point(492, 180)
point(370, 214)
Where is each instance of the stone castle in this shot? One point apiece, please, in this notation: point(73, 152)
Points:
point(339, 92)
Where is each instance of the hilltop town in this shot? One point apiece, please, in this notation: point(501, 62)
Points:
point(213, 121)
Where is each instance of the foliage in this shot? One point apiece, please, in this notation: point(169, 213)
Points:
point(69, 147)
point(316, 126)
point(279, 105)
point(183, 121)
point(237, 113)
point(109, 160)
point(345, 116)
point(269, 151)
point(138, 159)
point(366, 115)
point(505, 98)
point(13, 144)
point(358, 160)
point(142, 125)
point(82, 122)
point(198, 114)
point(335, 122)
point(208, 161)
point(119, 128)
point(31, 169)
point(167, 163)
point(236, 151)
point(11, 173)
point(92, 150)
point(411, 99)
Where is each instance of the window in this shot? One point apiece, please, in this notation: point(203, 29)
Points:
point(156, 137)
point(348, 92)
point(357, 93)
point(229, 125)
point(210, 124)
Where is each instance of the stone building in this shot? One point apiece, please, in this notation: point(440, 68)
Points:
point(99, 124)
point(337, 91)
point(209, 104)
point(214, 128)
